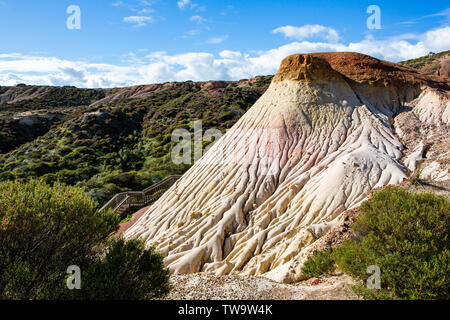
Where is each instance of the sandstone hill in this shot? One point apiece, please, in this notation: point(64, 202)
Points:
point(330, 128)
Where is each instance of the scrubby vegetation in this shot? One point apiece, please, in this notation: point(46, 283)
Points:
point(50, 98)
point(406, 235)
point(124, 145)
point(45, 229)
point(418, 62)
point(15, 131)
point(321, 262)
point(424, 61)
point(128, 271)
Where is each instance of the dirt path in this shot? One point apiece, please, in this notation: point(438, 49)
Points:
point(202, 286)
point(125, 226)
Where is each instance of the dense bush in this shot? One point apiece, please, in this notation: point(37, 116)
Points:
point(406, 235)
point(45, 229)
point(318, 264)
point(128, 271)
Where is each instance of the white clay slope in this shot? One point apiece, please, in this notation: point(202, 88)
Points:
point(309, 149)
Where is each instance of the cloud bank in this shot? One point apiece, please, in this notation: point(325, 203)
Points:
point(201, 66)
point(138, 21)
point(309, 31)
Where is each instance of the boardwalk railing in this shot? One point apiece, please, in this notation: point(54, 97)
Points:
point(123, 203)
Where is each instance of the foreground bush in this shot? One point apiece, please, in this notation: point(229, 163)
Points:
point(406, 235)
point(45, 229)
point(128, 271)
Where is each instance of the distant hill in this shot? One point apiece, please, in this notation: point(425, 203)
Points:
point(111, 140)
point(434, 63)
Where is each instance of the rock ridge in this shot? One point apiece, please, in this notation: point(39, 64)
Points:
point(326, 66)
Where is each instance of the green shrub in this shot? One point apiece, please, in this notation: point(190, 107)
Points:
point(67, 176)
point(406, 235)
point(319, 263)
point(128, 271)
point(127, 219)
point(45, 229)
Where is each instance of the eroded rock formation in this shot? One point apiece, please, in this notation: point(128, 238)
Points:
point(313, 146)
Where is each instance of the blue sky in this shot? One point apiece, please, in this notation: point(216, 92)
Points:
point(128, 42)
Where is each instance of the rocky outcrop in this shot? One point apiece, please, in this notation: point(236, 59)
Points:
point(20, 128)
point(312, 147)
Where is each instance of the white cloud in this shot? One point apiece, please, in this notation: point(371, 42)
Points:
point(141, 8)
point(438, 39)
point(228, 65)
point(138, 21)
point(183, 4)
point(197, 19)
point(146, 2)
point(157, 55)
point(309, 31)
point(227, 54)
point(146, 11)
point(396, 49)
point(443, 13)
point(117, 4)
point(191, 33)
point(217, 40)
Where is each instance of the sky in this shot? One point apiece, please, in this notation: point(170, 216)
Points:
point(118, 43)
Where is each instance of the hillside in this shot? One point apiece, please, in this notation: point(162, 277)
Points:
point(434, 63)
point(110, 140)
